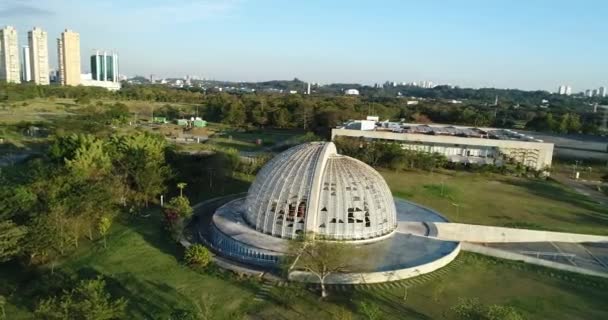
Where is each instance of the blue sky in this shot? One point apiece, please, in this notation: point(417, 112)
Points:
point(529, 44)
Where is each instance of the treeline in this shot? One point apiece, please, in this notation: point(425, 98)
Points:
point(11, 93)
point(75, 191)
point(320, 113)
point(564, 123)
point(389, 155)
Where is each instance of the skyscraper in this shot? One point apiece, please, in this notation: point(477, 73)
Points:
point(104, 66)
point(561, 90)
point(602, 91)
point(9, 55)
point(26, 70)
point(68, 54)
point(39, 56)
point(568, 90)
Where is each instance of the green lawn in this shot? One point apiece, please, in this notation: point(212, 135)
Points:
point(501, 200)
point(142, 265)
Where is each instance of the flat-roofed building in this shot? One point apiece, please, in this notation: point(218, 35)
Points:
point(460, 143)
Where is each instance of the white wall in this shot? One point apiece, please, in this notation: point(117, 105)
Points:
point(488, 234)
point(376, 277)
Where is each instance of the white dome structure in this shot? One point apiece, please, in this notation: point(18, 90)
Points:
point(311, 188)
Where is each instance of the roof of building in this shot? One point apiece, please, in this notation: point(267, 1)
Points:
point(447, 130)
point(311, 188)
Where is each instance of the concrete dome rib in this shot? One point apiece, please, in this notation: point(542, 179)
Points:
point(310, 188)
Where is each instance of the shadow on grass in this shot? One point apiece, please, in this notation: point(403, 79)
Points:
point(554, 191)
point(390, 304)
point(147, 299)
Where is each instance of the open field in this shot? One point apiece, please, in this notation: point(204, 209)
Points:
point(248, 141)
point(40, 109)
point(501, 200)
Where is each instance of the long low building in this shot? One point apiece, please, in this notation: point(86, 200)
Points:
point(458, 143)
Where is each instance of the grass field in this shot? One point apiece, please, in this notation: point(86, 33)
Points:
point(501, 200)
point(52, 108)
point(142, 265)
point(247, 141)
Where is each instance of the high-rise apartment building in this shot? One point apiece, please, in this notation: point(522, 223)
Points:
point(9, 55)
point(68, 54)
point(104, 66)
point(563, 89)
point(26, 70)
point(602, 91)
point(39, 56)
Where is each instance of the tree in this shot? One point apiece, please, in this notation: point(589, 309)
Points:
point(498, 312)
point(469, 309)
point(2, 304)
point(181, 187)
point(370, 311)
point(176, 211)
point(88, 301)
point(197, 254)
point(320, 258)
point(342, 314)
point(280, 118)
point(103, 226)
point(11, 236)
point(140, 160)
point(234, 113)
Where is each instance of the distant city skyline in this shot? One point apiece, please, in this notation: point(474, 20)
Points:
point(516, 44)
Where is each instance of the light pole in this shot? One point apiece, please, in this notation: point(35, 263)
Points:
point(576, 163)
point(457, 210)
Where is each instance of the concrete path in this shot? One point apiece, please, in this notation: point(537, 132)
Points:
point(586, 189)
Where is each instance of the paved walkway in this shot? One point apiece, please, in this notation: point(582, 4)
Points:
point(586, 189)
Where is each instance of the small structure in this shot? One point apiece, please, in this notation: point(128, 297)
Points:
point(351, 92)
point(198, 122)
point(162, 120)
point(182, 122)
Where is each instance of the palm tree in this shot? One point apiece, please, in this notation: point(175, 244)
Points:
point(181, 187)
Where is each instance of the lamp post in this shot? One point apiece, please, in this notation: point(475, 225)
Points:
point(457, 209)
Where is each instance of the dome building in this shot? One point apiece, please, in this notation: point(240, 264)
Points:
point(310, 188)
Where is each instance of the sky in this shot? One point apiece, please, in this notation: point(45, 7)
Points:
point(526, 44)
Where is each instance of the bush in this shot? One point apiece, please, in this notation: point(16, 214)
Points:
point(178, 207)
point(197, 254)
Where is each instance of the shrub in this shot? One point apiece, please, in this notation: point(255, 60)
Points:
point(197, 254)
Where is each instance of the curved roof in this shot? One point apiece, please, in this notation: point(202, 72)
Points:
point(311, 188)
